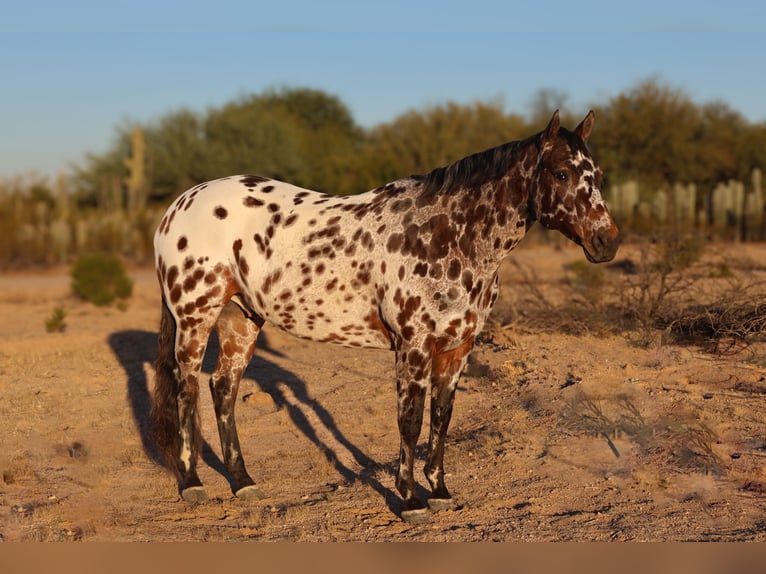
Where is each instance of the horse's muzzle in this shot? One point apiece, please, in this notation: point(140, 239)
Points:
point(602, 247)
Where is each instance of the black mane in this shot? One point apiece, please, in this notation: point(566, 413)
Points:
point(474, 170)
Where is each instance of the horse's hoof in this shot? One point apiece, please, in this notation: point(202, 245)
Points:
point(250, 492)
point(194, 494)
point(416, 516)
point(437, 504)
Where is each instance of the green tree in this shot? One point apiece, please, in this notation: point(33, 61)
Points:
point(327, 135)
point(648, 134)
point(176, 152)
point(545, 102)
point(299, 135)
point(657, 135)
point(420, 141)
point(247, 136)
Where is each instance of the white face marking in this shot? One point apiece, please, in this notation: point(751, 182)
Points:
point(595, 196)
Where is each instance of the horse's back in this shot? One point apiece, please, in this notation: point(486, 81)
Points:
point(220, 208)
point(297, 258)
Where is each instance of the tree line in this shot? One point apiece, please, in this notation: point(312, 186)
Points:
point(653, 133)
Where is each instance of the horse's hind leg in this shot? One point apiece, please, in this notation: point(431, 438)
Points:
point(447, 368)
point(190, 351)
point(237, 336)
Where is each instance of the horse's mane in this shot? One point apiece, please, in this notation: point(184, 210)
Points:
point(473, 170)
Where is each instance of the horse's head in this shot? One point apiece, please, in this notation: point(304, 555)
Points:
point(566, 190)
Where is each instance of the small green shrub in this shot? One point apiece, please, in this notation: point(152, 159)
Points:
point(586, 278)
point(722, 271)
point(55, 323)
point(100, 279)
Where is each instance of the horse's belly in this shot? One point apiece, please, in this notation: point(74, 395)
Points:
point(350, 319)
point(352, 337)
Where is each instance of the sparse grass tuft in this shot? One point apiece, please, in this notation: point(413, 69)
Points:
point(18, 470)
point(75, 450)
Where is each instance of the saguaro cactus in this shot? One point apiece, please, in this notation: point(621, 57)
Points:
point(684, 205)
point(754, 208)
point(136, 181)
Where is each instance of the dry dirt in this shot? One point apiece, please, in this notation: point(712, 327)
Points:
point(555, 436)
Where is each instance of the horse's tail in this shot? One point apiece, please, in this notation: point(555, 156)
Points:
point(164, 413)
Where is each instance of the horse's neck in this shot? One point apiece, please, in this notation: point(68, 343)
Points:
point(497, 215)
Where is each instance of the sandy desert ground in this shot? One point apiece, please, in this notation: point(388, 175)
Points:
point(680, 454)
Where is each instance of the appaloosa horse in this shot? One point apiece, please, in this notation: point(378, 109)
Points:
point(410, 266)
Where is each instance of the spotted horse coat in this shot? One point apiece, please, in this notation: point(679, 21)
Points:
point(410, 266)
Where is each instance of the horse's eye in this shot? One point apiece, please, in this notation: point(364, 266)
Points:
point(561, 175)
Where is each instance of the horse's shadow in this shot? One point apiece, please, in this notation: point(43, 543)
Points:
point(135, 348)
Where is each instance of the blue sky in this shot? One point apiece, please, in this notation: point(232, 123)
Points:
point(71, 72)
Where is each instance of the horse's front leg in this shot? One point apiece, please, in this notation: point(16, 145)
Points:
point(412, 368)
point(447, 367)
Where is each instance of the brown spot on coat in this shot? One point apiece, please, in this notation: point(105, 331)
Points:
point(259, 242)
point(189, 284)
point(175, 294)
point(251, 201)
point(172, 276)
point(467, 280)
point(408, 309)
point(252, 181)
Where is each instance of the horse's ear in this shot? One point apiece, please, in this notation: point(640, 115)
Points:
point(552, 130)
point(586, 126)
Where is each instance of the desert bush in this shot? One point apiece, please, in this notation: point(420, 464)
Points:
point(735, 318)
point(55, 323)
point(678, 292)
point(576, 305)
point(100, 279)
point(678, 437)
point(667, 289)
point(662, 276)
